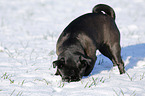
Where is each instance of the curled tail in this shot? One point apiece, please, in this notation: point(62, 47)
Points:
point(107, 9)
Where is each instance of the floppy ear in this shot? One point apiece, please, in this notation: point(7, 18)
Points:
point(84, 60)
point(58, 62)
point(55, 63)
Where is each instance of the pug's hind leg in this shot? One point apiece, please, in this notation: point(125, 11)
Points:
point(116, 53)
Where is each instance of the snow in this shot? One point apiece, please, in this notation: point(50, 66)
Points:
point(29, 30)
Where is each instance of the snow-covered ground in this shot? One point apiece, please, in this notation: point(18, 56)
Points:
point(28, 33)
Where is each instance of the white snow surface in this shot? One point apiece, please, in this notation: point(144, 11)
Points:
point(29, 30)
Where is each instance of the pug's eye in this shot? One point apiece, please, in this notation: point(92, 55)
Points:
point(83, 63)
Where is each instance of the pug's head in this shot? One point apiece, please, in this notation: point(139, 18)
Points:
point(71, 68)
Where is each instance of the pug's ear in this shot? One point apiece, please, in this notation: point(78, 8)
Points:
point(55, 63)
point(85, 60)
point(58, 62)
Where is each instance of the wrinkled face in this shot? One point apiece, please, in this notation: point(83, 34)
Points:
point(71, 69)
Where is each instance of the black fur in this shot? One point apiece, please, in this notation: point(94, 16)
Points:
point(77, 45)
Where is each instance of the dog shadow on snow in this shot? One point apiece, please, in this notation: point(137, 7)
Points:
point(130, 55)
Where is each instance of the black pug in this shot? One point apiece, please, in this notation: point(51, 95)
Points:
point(77, 45)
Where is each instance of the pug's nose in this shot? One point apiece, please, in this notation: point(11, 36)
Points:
point(70, 79)
point(66, 79)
